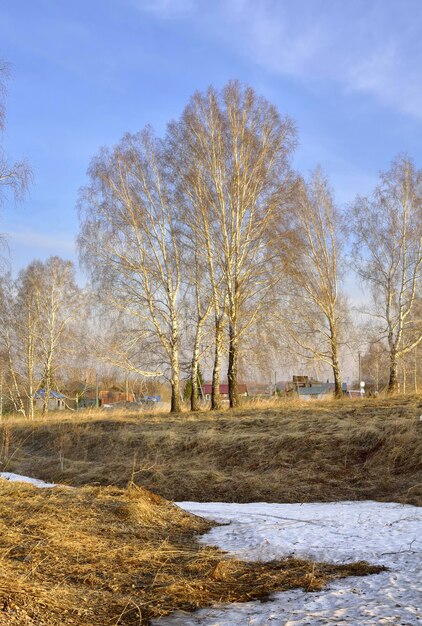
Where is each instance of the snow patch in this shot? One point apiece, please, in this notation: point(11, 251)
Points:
point(26, 479)
point(382, 533)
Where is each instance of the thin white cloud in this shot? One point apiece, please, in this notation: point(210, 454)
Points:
point(50, 242)
point(368, 47)
point(166, 9)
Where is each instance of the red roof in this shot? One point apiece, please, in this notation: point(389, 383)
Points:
point(224, 389)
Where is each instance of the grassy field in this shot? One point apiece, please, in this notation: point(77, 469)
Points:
point(320, 451)
point(111, 552)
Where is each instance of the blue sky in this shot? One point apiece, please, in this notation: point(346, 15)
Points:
point(84, 72)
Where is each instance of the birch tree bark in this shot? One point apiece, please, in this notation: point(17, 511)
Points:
point(202, 308)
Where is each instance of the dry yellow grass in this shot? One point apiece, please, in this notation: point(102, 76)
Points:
point(290, 452)
point(109, 555)
point(106, 556)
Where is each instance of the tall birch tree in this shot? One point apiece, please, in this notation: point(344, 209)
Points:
point(315, 316)
point(129, 241)
point(388, 257)
point(235, 147)
point(58, 301)
point(20, 334)
point(204, 274)
point(198, 305)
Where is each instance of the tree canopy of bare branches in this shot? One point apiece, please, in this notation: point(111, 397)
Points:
point(14, 176)
point(36, 312)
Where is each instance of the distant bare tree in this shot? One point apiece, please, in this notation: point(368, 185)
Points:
point(15, 176)
point(20, 333)
point(315, 315)
point(388, 257)
point(375, 365)
point(36, 315)
point(58, 300)
point(235, 150)
point(129, 241)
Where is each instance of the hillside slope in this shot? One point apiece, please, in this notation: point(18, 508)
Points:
point(324, 451)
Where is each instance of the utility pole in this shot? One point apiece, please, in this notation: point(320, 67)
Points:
point(1, 395)
point(360, 369)
point(416, 369)
point(97, 401)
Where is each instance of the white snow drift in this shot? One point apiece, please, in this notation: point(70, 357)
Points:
point(26, 479)
point(381, 533)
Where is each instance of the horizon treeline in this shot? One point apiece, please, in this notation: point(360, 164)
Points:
point(205, 249)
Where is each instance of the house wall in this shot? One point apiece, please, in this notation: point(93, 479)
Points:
point(54, 404)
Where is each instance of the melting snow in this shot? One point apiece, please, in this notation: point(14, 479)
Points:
point(381, 533)
point(26, 479)
point(338, 532)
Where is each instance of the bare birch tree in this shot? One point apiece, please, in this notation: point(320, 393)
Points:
point(20, 342)
point(14, 176)
point(199, 303)
point(314, 317)
point(200, 275)
point(388, 257)
point(58, 302)
point(235, 148)
point(36, 314)
point(208, 273)
point(129, 241)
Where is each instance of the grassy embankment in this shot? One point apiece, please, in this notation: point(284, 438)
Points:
point(322, 451)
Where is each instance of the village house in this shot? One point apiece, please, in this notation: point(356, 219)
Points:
point(56, 400)
point(242, 390)
point(309, 389)
point(322, 391)
point(105, 397)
